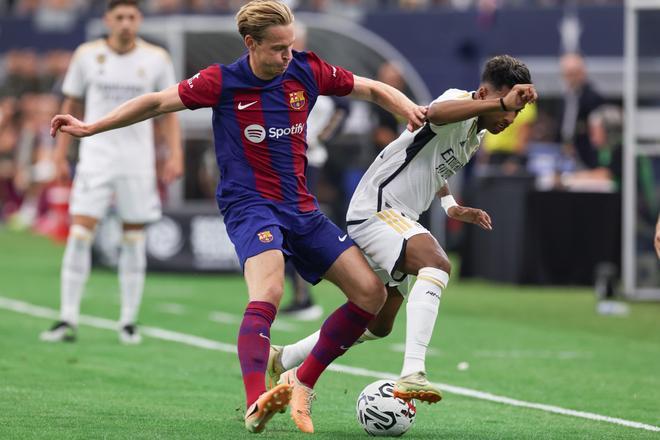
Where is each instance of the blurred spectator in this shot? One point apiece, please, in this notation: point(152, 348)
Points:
point(26, 8)
point(55, 67)
point(22, 75)
point(386, 125)
point(165, 7)
point(34, 156)
point(580, 99)
point(9, 200)
point(59, 14)
point(605, 126)
point(507, 151)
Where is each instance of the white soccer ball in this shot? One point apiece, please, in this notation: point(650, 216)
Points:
point(381, 414)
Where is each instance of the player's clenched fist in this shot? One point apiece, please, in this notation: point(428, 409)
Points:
point(70, 125)
point(520, 95)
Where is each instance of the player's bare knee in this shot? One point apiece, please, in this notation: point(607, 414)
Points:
point(381, 329)
point(371, 295)
point(271, 293)
point(439, 262)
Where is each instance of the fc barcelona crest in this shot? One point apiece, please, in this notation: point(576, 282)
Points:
point(297, 100)
point(265, 236)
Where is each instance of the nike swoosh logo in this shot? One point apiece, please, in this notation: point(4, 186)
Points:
point(264, 336)
point(344, 348)
point(342, 238)
point(242, 106)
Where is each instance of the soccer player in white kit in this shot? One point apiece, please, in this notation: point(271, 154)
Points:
point(400, 185)
point(116, 165)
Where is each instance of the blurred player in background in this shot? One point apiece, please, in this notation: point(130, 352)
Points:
point(260, 107)
point(398, 187)
point(116, 166)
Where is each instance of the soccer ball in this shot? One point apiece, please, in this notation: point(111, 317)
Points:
point(381, 414)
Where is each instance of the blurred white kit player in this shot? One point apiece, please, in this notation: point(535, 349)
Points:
point(397, 188)
point(119, 163)
point(116, 166)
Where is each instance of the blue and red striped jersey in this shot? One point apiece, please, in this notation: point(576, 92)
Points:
point(260, 127)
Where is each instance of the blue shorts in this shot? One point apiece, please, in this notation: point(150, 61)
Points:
point(310, 240)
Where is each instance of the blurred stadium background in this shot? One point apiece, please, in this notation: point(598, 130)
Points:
point(556, 306)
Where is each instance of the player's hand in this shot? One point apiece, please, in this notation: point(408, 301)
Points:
point(476, 216)
point(656, 242)
point(416, 117)
point(172, 170)
point(70, 125)
point(519, 96)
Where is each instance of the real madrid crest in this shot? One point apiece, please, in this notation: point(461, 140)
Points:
point(297, 100)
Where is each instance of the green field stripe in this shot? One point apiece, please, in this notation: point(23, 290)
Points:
point(208, 344)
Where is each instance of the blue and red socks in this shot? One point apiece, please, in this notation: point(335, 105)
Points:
point(253, 347)
point(338, 333)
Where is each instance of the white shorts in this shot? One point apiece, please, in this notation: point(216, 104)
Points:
point(382, 238)
point(136, 197)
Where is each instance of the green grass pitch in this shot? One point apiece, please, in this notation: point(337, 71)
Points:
point(542, 345)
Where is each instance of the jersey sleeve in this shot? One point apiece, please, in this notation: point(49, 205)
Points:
point(203, 89)
point(330, 80)
point(74, 81)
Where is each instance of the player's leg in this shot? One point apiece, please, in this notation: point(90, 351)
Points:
point(131, 271)
point(366, 295)
point(257, 235)
point(138, 204)
point(425, 258)
point(282, 358)
point(264, 275)
point(90, 198)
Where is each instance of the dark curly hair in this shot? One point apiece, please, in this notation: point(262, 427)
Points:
point(505, 70)
point(112, 4)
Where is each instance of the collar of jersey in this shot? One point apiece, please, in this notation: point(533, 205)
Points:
point(244, 62)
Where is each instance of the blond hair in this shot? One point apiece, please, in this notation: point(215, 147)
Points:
point(256, 16)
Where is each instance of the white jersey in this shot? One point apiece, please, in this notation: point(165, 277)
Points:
point(408, 173)
point(107, 79)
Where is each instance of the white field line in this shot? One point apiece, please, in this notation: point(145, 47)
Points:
point(167, 335)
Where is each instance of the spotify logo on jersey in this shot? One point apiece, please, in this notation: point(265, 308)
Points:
point(255, 133)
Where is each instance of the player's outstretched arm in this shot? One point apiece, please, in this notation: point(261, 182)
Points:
point(390, 99)
point(447, 112)
point(465, 214)
point(132, 111)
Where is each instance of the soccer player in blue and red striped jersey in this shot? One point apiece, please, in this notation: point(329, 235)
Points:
point(260, 105)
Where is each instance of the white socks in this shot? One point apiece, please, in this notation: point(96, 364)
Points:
point(132, 266)
point(75, 271)
point(294, 354)
point(421, 312)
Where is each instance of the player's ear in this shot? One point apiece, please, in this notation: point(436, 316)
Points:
point(250, 42)
point(482, 92)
